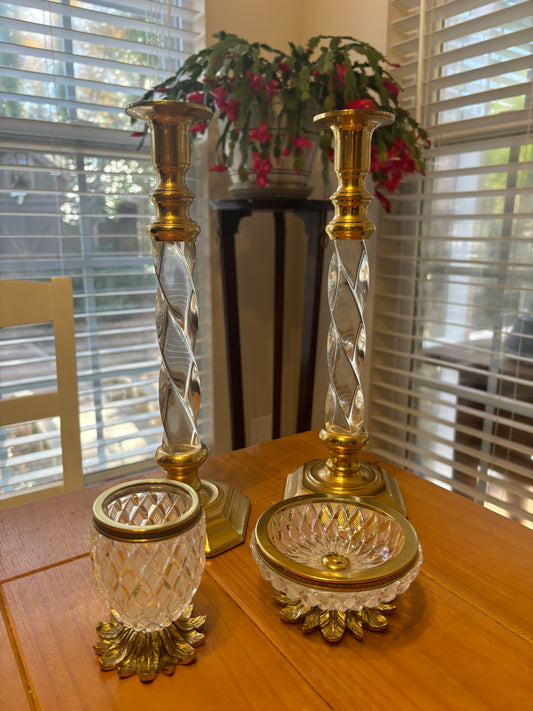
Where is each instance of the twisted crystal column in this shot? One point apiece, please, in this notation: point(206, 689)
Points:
point(348, 279)
point(173, 235)
point(177, 329)
point(347, 293)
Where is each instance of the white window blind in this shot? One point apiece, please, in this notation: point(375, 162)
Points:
point(74, 200)
point(452, 360)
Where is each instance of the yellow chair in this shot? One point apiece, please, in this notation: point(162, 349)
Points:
point(31, 302)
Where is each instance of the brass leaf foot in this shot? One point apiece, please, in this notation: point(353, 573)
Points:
point(148, 653)
point(333, 623)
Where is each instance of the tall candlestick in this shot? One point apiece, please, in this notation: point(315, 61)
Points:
point(348, 280)
point(173, 235)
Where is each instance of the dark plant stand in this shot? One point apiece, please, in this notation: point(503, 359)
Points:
point(313, 213)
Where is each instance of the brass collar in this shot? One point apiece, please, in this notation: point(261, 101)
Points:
point(338, 580)
point(156, 532)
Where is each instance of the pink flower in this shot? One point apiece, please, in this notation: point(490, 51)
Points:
point(361, 104)
point(261, 134)
point(285, 69)
point(220, 95)
point(301, 142)
point(196, 97)
point(271, 88)
point(198, 128)
point(256, 82)
point(392, 88)
point(391, 183)
point(261, 167)
point(390, 172)
point(230, 108)
point(340, 71)
point(218, 168)
point(286, 152)
point(399, 155)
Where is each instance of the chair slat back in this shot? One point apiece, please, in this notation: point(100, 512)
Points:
point(29, 302)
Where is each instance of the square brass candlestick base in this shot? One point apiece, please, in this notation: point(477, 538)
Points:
point(226, 511)
point(372, 482)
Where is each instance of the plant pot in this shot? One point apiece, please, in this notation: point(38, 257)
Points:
point(284, 182)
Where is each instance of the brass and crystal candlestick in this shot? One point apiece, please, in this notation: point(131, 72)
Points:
point(173, 235)
point(344, 430)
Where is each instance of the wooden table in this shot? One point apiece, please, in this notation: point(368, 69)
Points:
point(461, 637)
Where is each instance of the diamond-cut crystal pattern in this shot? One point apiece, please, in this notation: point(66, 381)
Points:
point(315, 533)
point(309, 532)
point(333, 599)
point(147, 508)
point(147, 585)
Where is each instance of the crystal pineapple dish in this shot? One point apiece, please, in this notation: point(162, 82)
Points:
point(148, 551)
point(336, 552)
point(148, 555)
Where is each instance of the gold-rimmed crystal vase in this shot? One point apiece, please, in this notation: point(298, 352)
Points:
point(148, 556)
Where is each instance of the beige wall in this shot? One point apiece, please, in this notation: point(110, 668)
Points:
point(279, 21)
point(275, 23)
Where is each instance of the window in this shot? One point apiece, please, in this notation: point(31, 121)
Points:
point(74, 198)
point(452, 358)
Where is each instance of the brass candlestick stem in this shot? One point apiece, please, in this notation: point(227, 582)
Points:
point(173, 235)
point(344, 431)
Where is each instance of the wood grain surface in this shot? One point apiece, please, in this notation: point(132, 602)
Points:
point(12, 687)
point(460, 638)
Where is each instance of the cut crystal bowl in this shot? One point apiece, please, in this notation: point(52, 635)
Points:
point(336, 552)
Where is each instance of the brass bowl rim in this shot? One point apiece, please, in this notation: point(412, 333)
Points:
point(169, 108)
point(140, 534)
point(364, 579)
point(344, 116)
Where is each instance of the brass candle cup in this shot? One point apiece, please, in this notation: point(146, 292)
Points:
point(337, 560)
point(148, 556)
